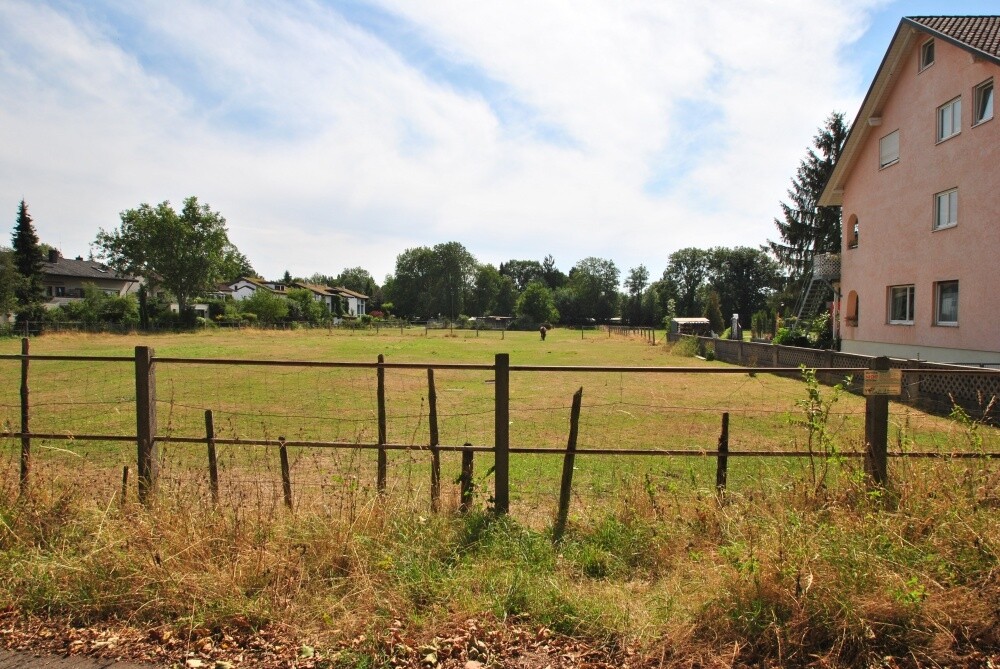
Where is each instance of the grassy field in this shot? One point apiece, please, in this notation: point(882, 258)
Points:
point(800, 564)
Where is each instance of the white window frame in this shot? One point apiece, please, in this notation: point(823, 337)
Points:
point(946, 203)
point(938, 294)
point(908, 293)
point(886, 155)
point(982, 109)
point(927, 48)
point(949, 119)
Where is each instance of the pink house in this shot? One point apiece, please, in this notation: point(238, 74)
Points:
point(919, 183)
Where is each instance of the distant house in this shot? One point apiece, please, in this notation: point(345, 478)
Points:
point(322, 294)
point(244, 287)
point(221, 291)
point(64, 279)
point(919, 184)
point(356, 303)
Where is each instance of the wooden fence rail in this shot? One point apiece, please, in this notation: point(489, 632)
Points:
point(145, 363)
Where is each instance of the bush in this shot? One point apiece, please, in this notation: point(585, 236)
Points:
point(687, 347)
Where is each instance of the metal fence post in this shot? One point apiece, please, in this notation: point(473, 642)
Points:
point(501, 425)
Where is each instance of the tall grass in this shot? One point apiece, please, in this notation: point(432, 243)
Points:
point(785, 569)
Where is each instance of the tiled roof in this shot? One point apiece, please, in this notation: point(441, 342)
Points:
point(977, 33)
point(350, 293)
point(87, 269)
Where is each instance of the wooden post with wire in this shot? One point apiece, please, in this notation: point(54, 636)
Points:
point(501, 431)
point(877, 432)
point(124, 497)
point(566, 488)
point(435, 453)
point(465, 480)
point(382, 464)
point(25, 415)
point(722, 460)
point(286, 472)
point(213, 466)
point(145, 414)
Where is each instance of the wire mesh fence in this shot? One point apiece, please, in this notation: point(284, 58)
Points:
point(637, 428)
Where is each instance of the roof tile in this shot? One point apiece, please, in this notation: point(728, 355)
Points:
point(981, 33)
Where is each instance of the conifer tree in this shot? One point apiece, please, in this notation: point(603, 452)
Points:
point(28, 260)
point(805, 228)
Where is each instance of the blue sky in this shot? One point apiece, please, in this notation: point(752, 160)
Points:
point(338, 133)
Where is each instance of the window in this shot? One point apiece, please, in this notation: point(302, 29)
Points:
point(927, 54)
point(901, 305)
point(946, 303)
point(852, 309)
point(984, 102)
point(946, 209)
point(60, 291)
point(888, 149)
point(949, 119)
point(852, 224)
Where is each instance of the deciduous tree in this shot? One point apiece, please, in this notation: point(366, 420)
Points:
point(686, 272)
point(536, 304)
point(185, 253)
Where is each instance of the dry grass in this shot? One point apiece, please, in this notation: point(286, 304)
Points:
point(782, 572)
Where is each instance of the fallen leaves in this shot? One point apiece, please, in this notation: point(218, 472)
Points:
point(470, 644)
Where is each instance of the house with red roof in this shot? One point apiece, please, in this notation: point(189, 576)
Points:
point(919, 185)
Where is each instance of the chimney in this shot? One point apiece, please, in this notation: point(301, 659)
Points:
point(53, 256)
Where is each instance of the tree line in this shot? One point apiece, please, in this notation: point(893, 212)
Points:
point(183, 255)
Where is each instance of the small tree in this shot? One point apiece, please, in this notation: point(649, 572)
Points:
point(266, 306)
point(713, 312)
point(305, 306)
point(536, 304)
point(10, 279)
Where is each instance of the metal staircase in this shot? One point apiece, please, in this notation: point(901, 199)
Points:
point(818, 286)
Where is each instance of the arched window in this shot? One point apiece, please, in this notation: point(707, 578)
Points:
point(852, 232)
point(851, 317)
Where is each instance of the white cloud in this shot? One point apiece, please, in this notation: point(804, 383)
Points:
point(326, 145)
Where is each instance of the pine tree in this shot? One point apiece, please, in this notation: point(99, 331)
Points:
point(807, 229)
point(28, 261)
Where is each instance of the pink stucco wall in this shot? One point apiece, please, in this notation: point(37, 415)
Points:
point(895, 210)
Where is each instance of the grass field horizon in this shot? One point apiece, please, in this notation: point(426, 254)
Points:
point(799, 563)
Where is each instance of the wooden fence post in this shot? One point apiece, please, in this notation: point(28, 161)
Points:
point(25, 415)
point(435, 453)
point(124, 485)
point(213, 466)
point(148, 464)
point(501, 430)
point(722, 460)
point(877, 432)
point(286, 472)
point(465, 481)
point(566, 488)
point(380, 484)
